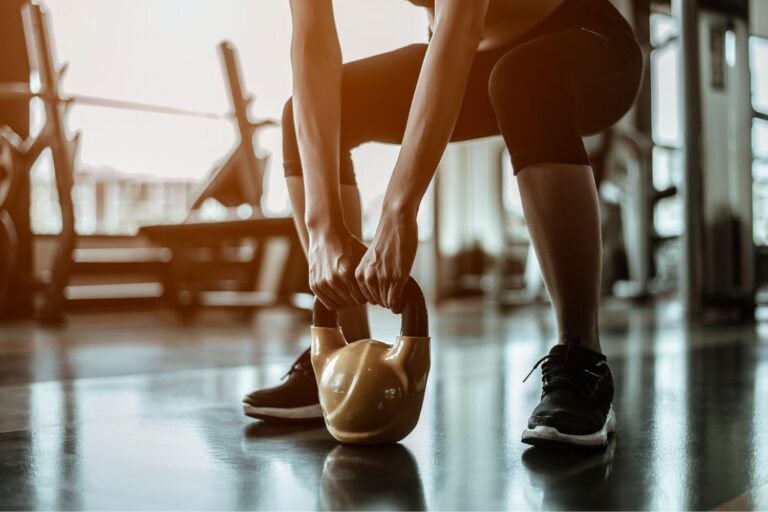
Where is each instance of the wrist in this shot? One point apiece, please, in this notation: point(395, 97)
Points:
point(399, 209)
point(325, 222)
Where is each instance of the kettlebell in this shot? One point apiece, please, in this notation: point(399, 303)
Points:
point(371, 392)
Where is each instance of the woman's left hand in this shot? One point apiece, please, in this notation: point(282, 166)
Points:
point(384, 269)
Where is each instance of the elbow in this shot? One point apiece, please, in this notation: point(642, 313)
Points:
point(471, 26)
point(462, 22)
point(305, 43)
point(467, 31)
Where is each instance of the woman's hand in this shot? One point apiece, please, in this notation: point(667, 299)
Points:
point(333, 257)
point(384, 269)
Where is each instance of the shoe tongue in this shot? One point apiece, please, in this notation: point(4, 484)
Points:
point(304, 360)
point(583, 356)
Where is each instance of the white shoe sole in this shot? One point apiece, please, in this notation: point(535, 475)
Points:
point(543, 435)
point(308, 412)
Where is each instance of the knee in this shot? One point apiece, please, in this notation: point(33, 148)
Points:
point(533, 107)
point(498, 84)
point(514, 99)
point(291, 159)
point(287, 119)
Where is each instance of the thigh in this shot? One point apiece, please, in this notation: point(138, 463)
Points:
point(377, 93)
point(477, 118)
point(602, 71)
point(577, 73)
point(552, 90)
point(606, 73)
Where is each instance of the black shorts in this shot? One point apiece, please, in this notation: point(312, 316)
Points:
point(574, 74)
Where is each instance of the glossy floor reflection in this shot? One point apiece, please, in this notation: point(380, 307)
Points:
point(89, 421)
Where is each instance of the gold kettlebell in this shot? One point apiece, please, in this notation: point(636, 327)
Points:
point(371, 392)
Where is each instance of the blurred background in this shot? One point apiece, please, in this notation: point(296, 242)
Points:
point(150, 273)
point(174, 166)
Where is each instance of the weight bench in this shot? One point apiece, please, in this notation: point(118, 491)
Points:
point(217, 264)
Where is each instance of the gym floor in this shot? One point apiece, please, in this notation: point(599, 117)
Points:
point(135, 411)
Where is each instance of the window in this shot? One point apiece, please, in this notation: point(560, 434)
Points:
point(667, 138)
point(138, 167)
point(667, 169)
point(759, 66)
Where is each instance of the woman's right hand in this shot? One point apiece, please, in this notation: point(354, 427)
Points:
point(333, 257)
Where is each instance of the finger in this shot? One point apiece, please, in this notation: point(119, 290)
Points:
point(320, 289)
point(362, 283)
point(384, 286)
point(396, 296)
point(327, 303)
point(355, 291)
point(328, 296)
point(346, 293)
point(371, 286)
point(345, 296)
point(368, 291)
point(351, 289)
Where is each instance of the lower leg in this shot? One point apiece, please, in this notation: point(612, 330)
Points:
point(562, 212)
point(354, 320)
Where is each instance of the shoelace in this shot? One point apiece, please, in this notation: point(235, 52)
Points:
point(557, 371)
point(302, 363)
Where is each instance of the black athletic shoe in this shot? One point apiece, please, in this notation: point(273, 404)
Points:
point(576, 397)
point(293, 400)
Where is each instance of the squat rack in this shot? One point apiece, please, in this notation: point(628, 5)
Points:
point(17, 156)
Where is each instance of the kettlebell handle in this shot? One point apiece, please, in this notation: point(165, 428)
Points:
point(413, 321)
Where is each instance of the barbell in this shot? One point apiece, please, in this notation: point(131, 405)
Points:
point(21, 90)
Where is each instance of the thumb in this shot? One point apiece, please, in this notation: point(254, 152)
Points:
point(358, 248)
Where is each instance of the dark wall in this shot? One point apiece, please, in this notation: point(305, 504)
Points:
point(14, 67)
point(738, 8)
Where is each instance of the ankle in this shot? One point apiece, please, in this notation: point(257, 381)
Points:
point(589, 342)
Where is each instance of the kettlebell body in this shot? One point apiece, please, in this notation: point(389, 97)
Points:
point(371, 392)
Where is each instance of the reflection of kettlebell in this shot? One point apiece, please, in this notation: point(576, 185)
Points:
point(364, 477)
point(371, 392)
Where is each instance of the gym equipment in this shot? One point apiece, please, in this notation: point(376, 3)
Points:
point(718, 261)
point(371, 392)
point(238, 180)
point(207, 256)
point(627, 186)
point(347, 466)
point(203, 253)
point(23, 153)
point(9, 180)
point(15, 206)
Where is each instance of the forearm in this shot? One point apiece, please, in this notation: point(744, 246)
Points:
point(317, 70)
point(435, 108)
